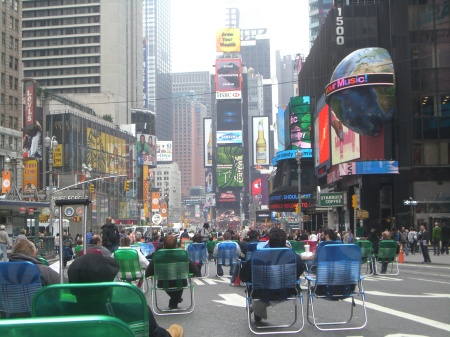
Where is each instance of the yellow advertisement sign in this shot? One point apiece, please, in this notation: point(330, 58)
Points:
point(57, 156)
point(30, 175)
point(228, 40)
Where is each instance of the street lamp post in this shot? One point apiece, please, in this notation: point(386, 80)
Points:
point(298, 158)
point(51, 144)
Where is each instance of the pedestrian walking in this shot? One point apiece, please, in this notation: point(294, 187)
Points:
point(424, 237)
point(436, 237)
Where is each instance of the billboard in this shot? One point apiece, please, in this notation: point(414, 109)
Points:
point(209, 181)
point(281, 133)
point(321, 134)
point(228, 40)
point(229, 167)
point(229, 123)
point(145, 73)
point(164, 151)
point(300, 122)
point(369, 167)
point(30, 175)
point(30, 104)
point(208, 143)
point(344, 142)
point(146, 150)
point(260, 141)
point(228, 79)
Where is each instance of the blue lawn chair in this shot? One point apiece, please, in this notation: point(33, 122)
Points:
point(226, 254)
point(147, 249)
point(198, 254)
point(337, 278)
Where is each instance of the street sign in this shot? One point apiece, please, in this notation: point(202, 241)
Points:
point(410, 202)
point(156, 219)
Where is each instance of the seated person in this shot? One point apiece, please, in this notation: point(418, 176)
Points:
point(96, 243)
point(25, 250)
point(277, 239)
point(92, 268)
point(210, 244)
point(125, 243)
point(170, 242)
point(78, 247)
point(328, 236)
point(226, 239)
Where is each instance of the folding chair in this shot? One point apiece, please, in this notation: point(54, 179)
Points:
point(147, 249)
point(387, 253)
point(19, 281)
point(129, 268)
point(226, 255)
point(297, 246)
point(274, 278)
point(251, 247)
point(171, 273)
point(99, 326)
point(366, 252)
point(198, 254)
point(337, 277)
point(121, 300)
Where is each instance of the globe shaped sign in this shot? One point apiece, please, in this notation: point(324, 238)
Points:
point(156, 219)
point(362, 90)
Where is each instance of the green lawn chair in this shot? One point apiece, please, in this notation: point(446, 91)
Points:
point(122, 300)
point(171, 273)
point(297, 246)
point(366, 250)
point(210, 244)
point(98, 326)
point(130, 270)
point(387, 253)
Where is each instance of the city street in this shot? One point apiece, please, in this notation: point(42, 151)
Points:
point(414, 303)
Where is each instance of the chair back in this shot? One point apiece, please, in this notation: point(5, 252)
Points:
point(90, 251)
point(251, 247)
point(19, 281)
point(129, 267)
point(366, 248)
point(312, 245)
point(297, 246)
point(226, 253)
point(338, 264)
point(198, 253)
point(171, 266)
point(147, 248)
point(99, 326)
point(387, 250)
point(121, 300)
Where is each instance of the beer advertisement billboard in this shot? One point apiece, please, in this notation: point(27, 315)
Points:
point(229, 123)
point(228, 79)
point(228, 40)
point(229, 167)
point(260, 141)
point(164, 151)
point(208, 144)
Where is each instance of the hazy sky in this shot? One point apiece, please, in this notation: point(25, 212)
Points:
point(194, 25)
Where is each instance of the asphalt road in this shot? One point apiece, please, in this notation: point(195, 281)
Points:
point(414, 303)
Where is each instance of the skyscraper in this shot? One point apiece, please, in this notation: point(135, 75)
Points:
point(199, 82)
point(318, 11)
point(159, 79)
point(91, 51)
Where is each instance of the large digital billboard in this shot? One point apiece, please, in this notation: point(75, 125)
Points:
point(228, 79)
point(146, 150)
point(300, 122)
point(208, 142)
point(229, 123)
point(164, 151)
point(321, 133)
point(344, 142)
point(261, 141)
point(281, 133)
point(228, 40)
point(229, 167)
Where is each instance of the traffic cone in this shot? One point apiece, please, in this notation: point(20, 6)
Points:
point(401, 258)
point(237, 281)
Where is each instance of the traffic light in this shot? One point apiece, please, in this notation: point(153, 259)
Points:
point(91, 188)
point(354, 201)
point(126, 185)
point(296, 208)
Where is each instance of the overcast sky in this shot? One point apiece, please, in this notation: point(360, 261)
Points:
point(194, 25)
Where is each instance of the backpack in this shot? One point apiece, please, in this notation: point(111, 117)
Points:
point(111, 235)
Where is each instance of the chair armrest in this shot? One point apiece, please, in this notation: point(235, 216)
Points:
point(310, 278)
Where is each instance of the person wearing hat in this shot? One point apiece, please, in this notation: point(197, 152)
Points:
point(25, 250)
point(93, 268)
point(4, 243)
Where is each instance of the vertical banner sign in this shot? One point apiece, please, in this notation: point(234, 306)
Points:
point(164, 210)
point(300, 122)
point(145, 189)
point(30, 104)
point(155, 201)
point(144, 74)
point(6, 181)
point(260, 143)
point(207, 142)
point(30, 175)
point(57, 156)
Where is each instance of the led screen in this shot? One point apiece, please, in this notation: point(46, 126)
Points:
point(229, 167)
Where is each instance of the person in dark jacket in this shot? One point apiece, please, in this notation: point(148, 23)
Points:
point(110, 235)
point(424, 237)
point(25, 250)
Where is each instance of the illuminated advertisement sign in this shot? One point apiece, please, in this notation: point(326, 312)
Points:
point(228, 78)
point(359, 80)
point(209, 181)
point(262, 216)
point(369, 167)
point(144, 74)
point(281, 136)
point(261, 141)
point(286, 202)
point(164, 151)
point(6, 181)
point(208, 143)
point(30, 175)
point(30, 104)
point(229, 123)
point(228, 40)
point(345, 144)
point(322, 136)
point(290, 154)
point(331, 199)
point(300, 122)
point(229, 167)
point(146, 150)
